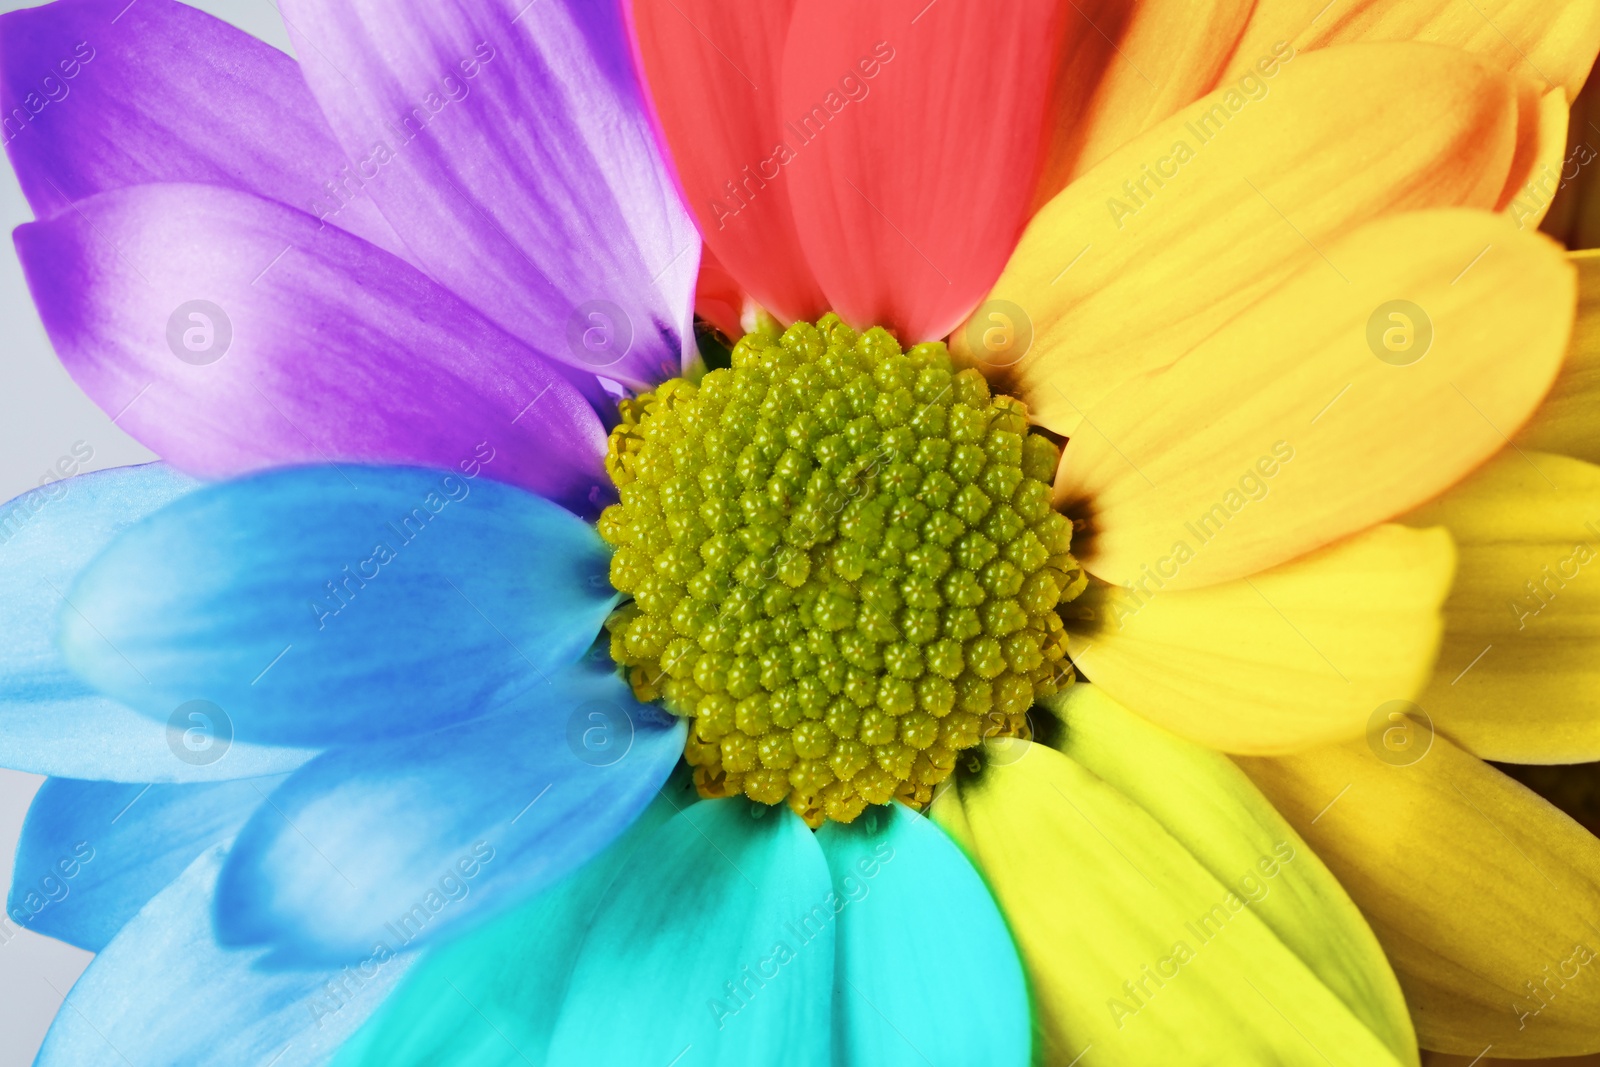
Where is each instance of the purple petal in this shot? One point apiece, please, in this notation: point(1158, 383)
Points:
point(103, 94)
point(508, 144)
point(231, 333)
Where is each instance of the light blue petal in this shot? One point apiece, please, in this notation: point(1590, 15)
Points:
point(407, 839)
point(51, 721)
point(490, 998)
point(714, 946)
point(325, 605)
point(92, 853)
point(163, 992)
point(927, 973)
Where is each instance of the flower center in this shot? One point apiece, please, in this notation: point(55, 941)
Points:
point(843, 561)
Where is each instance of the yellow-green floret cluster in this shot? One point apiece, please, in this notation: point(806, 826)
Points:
point(844, 566)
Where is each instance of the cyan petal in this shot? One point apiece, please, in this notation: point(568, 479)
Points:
point(407, 839)
point(92, 853)
point(163, 992)
point(324, 605)
point(490, 998)
point(714, 946)
point(53, 722)
point(926, 972)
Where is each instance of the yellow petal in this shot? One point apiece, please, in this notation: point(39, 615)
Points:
point(1553, 41)
point(1531, 201)
point(1119, 275)
point(1123, 70)
point(1204, 801)
point(1484, 896)
point(1388, 370)
point(1135, 950)
point(1574, 217)
point(1292, 657)
point(1518, 676)
point(1568, 421)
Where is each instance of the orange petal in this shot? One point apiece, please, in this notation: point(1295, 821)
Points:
point(1308, 383)
point(1126, 270)
point(1125, 69)
point(1554, 41)
point(1574, 217)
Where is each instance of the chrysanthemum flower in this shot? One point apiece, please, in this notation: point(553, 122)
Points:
point(843, 564)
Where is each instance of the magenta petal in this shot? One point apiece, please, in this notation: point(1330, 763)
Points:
point(103, 94)
point(508, 144)
point(231, 333)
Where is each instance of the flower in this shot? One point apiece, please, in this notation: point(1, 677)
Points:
point(690, 890)
point(1115, 370)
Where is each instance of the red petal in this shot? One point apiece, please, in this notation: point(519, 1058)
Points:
point(718, 298)
point(713, 72)
point(915, 128)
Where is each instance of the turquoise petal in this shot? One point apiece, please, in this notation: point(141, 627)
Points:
point(926, 972)
point(714, 946)
point(490, 998)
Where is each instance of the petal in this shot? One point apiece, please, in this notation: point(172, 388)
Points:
point(896, 997)
point(900, 227)
point(1519, 671)
point(1555, 43)
point(1466, 290)
point(163, 92)
point(508, 144)
point(1205, 801)
point(718, 298)
point(1291, 657)
point(323, 604)
point(1483, 895)
point(1545, 146)
point(228, 333)
point(1134, 948)
point(413, 839)
point(484, 998)
point(1574, 216)
point(1568, 421)
point(727, 910)
point(1120, 275)
point(714, 72)
point(92, 853)
point(1124, 70)
point(164, 992)
point(51, 722)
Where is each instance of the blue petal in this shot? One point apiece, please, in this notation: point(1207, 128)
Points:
point(92, 853)
point(410, 838)
point(164, 992)
point(51, 721)
point(926, 971)
point(492, 997)
point(714, 945)
point(325, 605)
